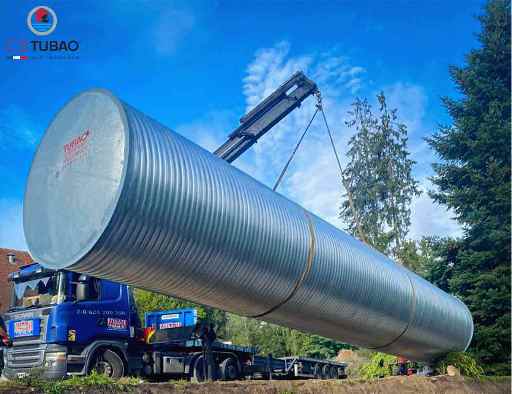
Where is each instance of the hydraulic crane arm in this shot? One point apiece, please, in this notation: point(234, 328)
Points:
point(266, 115)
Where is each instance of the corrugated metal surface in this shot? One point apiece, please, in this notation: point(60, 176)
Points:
point(169, 216)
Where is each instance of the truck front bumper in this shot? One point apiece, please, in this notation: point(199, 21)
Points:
point(47, 362)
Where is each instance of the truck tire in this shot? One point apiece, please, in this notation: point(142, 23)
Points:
point(317, 371)
point(341, 373)
point(107, 362)
point(229, 369)
point(326, 371)
point(199, 372)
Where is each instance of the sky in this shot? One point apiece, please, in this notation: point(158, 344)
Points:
point(198, 66)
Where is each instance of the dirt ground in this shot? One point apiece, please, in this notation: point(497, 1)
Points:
point(393, 385)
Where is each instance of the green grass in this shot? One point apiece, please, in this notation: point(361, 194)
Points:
point(180, 384)
point(101, 383)
point(493, 379)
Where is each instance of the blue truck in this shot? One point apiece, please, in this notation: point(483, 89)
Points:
point(63, 323)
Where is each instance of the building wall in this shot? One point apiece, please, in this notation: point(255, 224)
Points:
point(22, 258)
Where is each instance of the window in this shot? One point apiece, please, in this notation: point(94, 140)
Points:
point(92, 287)
point(41, 291)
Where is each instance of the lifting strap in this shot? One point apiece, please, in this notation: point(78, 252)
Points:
point(319, 107)
point(340, 168)
point(362, 236)
point(280, 178)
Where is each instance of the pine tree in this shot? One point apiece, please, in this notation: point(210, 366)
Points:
point(473, 179)
point(378, 177)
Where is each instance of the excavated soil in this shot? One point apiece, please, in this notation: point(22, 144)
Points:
point(393, 385)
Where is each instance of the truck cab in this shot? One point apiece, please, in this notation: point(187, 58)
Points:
point(63, 323)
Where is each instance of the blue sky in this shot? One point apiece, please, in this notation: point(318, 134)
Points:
point(197, 66)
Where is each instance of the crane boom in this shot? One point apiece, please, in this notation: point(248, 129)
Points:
point(266, 115)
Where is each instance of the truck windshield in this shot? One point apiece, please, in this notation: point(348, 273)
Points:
point(41, 291)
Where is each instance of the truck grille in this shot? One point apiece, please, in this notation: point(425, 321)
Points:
point(41, 338)
point(29, 356)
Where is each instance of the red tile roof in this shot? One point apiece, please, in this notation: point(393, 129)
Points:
point(22, 258)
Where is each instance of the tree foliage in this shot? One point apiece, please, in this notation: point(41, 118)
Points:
point(379, 366)
point(279, 341)
point(431, 257)
point(464, 362)
point(378, 177)
point(473, 178)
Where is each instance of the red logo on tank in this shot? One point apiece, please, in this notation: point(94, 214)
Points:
point(76, 148)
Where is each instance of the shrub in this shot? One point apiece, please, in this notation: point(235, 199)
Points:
point(379, 366)
point(464, 362)
point(100, 383)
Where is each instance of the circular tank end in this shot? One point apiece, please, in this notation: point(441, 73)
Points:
point(75, 179)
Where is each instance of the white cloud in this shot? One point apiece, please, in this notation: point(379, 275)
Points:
point(411, 101)
point(430, 218)
point(269, 70)
point(171, 29)
point(313, 178)
point(209, 131)
point(17, 131)
point(212, 130)
point(315, 182)
point(11, 224)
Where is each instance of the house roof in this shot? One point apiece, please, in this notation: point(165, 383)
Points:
point(22, 258)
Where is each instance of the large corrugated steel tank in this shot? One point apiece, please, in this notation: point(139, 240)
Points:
point(114, 194)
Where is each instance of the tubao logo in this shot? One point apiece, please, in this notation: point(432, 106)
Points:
point(42, 20)
point(76, 148)
point(76, 142)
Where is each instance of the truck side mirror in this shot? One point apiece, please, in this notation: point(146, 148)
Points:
point(82, 291)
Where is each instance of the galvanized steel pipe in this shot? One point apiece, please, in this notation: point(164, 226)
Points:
point(114, 194)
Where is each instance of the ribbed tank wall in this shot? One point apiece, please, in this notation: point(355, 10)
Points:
point(190, 225)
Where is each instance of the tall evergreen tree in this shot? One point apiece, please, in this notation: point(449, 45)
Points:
point(473, 179)
point(378, 177)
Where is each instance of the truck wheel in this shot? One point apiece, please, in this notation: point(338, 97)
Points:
point(325, 372)
point(317, 371)
point(229, 369)
point(199, 372)
point(108, 363)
